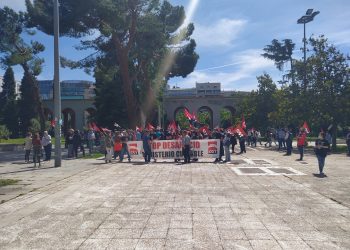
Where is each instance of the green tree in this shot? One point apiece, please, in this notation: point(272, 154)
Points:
point(14, 51)
point(140, 34)
point(204, 117)
point(182, 120)
point(109, 100)
point(281, 53)
point(328, 77)
point(259, 107)
point(8, 103)
point(225, 118)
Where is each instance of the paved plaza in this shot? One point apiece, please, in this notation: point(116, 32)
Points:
point(261, 200)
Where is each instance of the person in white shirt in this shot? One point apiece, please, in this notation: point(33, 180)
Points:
point(46, 143)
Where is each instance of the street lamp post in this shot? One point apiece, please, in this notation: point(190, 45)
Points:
point(57, 90)
point(308, 17)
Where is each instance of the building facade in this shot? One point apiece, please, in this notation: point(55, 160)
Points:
point(206, 97)
point(77, 102)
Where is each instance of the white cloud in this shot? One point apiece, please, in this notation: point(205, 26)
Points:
point(14, 4)
point(340, 37)
point(246, 66)
point(221, 33)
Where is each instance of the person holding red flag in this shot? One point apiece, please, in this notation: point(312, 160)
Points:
point(301, 142)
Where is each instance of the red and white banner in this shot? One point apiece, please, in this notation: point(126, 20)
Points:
point(172, 149)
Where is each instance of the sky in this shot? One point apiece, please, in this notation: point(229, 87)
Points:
point(230, 36)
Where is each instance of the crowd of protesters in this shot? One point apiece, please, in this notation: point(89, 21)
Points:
point(114, 143)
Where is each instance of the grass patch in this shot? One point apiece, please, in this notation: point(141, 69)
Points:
point(6, 182)
point(20, 141)
point(93, 156)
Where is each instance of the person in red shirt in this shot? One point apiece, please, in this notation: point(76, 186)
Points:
point(301, 142)
point(36, 149)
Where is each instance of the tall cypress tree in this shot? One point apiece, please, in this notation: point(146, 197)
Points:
point(8, 103)
point(28, 103)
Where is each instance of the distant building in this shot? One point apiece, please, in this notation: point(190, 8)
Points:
point(204, 97)
point(77, 102)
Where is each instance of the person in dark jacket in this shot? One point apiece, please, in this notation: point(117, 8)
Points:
point(242, 144)
point(233, 140)
point(76, 143)
point(322, 148)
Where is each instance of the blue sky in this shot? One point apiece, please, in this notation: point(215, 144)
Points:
point(230, 35)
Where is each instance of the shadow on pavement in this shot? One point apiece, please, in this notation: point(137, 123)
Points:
point(320, 175)
point(27, 170)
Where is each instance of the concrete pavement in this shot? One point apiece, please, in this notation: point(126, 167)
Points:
point(261, 200)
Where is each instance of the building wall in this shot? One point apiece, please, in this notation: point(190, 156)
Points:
point(195, 103)
point(78, 106)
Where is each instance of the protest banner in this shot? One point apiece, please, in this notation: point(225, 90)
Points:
point(172, 149)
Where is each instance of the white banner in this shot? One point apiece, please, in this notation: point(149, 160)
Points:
point(172, 149)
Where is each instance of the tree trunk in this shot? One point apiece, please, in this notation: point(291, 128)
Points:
point(131, 105)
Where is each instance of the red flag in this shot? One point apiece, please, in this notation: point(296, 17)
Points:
point(204, 129)
point(244, 125)
point(95, 128)
point(53, 123)
point(150, 126)
point(237, 130)
point(138, 129)
point(306, 127)
point(172, 126)
point(188, 114)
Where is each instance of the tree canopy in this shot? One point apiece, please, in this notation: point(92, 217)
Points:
point(142, 39)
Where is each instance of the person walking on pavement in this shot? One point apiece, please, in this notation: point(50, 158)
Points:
point(109, 146)
point(186, 145)
point(301, 143)
point(227, 143)
point(233, 142)
point(46, 142)
point(289, 140)
point(28, 144)
point(146, 142)
point(36, 149)
point(321, 149)
point(242, 144)
point(125, 149)
point(76, 143)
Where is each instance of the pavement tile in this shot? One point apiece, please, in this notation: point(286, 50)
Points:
point(172, 244)
point(154, 233)
point(323, 245)
point(150, 244)
point(127, 233)
point(200, 206)
point(180, 234)
point(181, 224)
point(265, 245)
point(93, 244)
point(258, 234)
point(124, 244)
point(293, 245)
point(236, 245)
point(313, 236)
point(104, 233)
point(232, 235)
